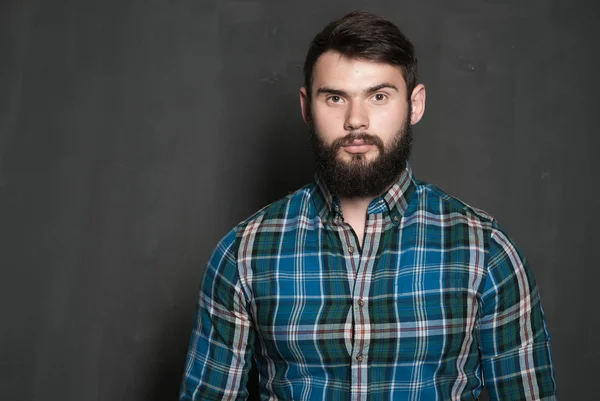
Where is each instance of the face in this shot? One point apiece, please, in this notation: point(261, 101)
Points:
point(360, 117)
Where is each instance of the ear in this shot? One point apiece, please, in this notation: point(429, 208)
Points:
point(305, 105)
point(417, 100)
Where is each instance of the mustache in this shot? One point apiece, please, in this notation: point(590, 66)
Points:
point(365, 137)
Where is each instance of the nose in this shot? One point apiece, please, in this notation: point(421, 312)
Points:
point(356, 117)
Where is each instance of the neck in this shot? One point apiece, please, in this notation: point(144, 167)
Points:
point(355, 206)
point(355, 214)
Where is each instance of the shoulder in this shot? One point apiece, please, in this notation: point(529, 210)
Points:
point(434, 200)
point(502, 254)
point(284, 211)
point(460, 215)
point(287, 211)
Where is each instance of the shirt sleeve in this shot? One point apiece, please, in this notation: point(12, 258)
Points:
point(514, 338)
point(220, 352)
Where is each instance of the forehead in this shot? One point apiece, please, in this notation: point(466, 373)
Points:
point(335, 70)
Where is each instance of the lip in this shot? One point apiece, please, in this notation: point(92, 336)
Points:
point(357, 147)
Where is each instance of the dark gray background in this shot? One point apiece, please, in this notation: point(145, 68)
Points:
point(134, 134)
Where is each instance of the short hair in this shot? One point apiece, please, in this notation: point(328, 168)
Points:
point(366, 36)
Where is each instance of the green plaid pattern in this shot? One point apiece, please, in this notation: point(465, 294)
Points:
point(436, 304)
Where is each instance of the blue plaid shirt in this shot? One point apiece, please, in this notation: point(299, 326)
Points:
point(436, 304)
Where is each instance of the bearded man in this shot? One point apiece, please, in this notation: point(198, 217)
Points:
point(367, 284)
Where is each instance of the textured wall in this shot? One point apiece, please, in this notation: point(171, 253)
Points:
point(134, 134)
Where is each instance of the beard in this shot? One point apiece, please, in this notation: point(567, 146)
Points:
point(360, 178)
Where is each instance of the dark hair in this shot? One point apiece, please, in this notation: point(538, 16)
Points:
point(363, 35)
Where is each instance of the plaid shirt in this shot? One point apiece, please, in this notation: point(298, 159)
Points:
point(436, 304)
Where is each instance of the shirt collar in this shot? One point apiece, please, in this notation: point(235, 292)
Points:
point(395, 200)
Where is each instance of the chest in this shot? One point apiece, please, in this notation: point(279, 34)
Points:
point(317, 290)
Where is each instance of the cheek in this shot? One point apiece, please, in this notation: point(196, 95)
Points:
point(329, 124)
point(387, 124)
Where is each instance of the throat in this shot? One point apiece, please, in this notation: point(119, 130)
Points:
point(355, 215)
point(359, 230)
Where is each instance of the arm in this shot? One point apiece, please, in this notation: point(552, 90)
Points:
point(219, 355)
point(514, 339)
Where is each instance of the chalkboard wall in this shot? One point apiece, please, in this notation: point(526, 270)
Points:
point(134, 134)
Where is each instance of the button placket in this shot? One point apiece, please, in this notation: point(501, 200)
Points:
point(352, 248)
point(359, 309)
point(361, 290)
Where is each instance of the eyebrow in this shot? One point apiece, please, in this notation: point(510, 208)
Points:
point(339, 92)
point(379, 87)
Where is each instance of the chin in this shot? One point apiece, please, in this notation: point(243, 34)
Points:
point(363, 157)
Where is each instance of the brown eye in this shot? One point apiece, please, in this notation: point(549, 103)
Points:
point(380, 97)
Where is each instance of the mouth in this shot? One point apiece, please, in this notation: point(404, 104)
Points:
point(358, 146)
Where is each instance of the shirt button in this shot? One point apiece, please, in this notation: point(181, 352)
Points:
point(359, 357)
point(361, 302)
point(351, 249)
point(396, 219)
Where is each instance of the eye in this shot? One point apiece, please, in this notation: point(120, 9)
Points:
point(335, 99)
point(380, 97)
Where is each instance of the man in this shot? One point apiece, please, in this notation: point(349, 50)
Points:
point(367, 284)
